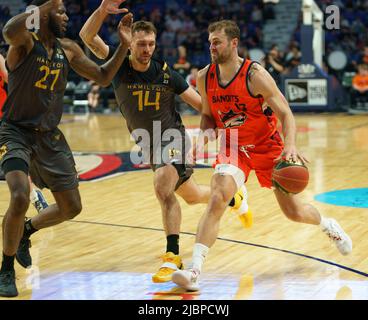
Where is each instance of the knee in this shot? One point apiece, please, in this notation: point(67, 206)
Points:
point(20, 201)
point(219, 200)
point(73, 209)
point(163, 194)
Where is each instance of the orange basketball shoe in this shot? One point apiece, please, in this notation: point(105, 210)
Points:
point(241, 208)
point(172, 263)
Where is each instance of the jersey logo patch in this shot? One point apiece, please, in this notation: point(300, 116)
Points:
point(232, 119)
point(166, 78)
point(3, 151)
point(59, 54)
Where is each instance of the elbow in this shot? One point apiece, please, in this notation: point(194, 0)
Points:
point(103, 82)
point(84, 36)
point(7, 34)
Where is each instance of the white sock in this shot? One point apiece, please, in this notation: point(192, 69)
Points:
point(200, 252)
point(33, 196)
point(324, 223)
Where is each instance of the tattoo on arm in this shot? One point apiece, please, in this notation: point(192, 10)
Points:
point(252, 70)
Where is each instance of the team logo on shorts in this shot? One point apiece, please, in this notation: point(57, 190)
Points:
point(232, 119)
point(3, 151)
point(174, 152)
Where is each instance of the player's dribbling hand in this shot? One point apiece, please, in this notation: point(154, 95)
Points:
point(112, 6)
point(125, 29)
point(291, 154)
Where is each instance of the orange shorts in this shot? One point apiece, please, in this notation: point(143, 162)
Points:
point(258, 158)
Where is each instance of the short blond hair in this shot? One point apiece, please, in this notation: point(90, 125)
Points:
point(145, 26)
point(230, 28)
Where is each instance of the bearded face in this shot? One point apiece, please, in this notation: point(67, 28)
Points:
point(56, 28)
point(221, 56)
point(220, 47)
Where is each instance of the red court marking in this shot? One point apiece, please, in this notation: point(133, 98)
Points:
point(109, 164)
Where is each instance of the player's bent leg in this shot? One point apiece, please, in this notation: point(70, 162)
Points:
point(193, 193)
point(14, 218)
point(165, 180)
point(223, 188)
point(239, 204)
point(13, 222)
point(68, 206)
point(295, 210)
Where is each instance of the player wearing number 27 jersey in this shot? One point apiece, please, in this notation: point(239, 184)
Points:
point(30, 142)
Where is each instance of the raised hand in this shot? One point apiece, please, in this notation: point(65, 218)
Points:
point(125, 29)
point(112, 6)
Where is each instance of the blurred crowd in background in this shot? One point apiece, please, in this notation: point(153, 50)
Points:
point(182, 38)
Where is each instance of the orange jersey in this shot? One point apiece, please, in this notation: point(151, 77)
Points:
point(360, 82)
point(234, 107)
point(2, 94)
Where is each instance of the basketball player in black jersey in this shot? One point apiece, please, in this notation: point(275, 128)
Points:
point(145, 90)
point(30, 141)
point(36, 196)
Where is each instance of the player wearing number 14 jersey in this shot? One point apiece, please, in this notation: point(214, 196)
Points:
point(30, 142)
point(145, 89)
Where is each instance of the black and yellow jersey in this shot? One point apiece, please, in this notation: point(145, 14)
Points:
point(145, 97)
point(36, 88)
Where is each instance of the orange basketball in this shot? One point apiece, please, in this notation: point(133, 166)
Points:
point(290, 177)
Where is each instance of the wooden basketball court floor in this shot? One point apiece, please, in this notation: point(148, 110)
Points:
point(112, 248)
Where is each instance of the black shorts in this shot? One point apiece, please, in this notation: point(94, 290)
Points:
point(172, 152)
point(49, 158)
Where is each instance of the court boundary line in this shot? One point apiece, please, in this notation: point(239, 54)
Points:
point(233, 241)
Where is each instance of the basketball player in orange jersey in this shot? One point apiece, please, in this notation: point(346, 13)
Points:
point(172, 178)
point(30, 141)
point(253, 104)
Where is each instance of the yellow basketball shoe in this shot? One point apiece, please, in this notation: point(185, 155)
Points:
point(241, 208)
point(172, 262)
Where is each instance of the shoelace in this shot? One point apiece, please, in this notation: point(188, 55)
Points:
point(334, 235)
point(194, 275)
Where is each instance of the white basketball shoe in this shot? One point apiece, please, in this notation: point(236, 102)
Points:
point(338, 236)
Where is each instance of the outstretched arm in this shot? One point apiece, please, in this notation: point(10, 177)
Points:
point(89, 32)
point(18, 37)
point(261, 83)
point(104, 74)
point(15, 31)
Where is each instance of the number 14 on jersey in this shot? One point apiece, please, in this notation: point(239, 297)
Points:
point(146, 103)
